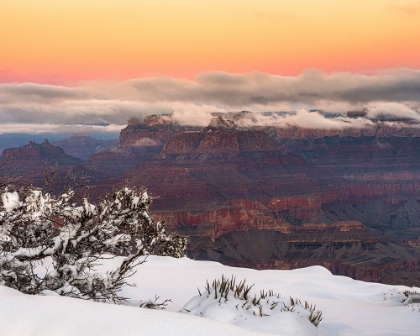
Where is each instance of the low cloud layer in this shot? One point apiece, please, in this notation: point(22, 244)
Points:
point(305, 119)
point(108, 105)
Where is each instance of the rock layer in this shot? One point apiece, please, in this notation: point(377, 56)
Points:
point(278, 198)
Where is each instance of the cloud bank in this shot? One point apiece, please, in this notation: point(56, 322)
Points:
point(389, 94)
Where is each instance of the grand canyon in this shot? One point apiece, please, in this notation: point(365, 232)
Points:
point(263, 196)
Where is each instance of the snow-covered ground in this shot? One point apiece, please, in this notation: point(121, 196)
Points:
point(349, 307)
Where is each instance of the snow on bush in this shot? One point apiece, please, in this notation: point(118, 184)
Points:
point(411, 297)
point(399, 296)
point(227, 301)
point(75, 238)
point(10, 200)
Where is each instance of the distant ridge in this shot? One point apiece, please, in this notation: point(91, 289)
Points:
point(79, 134)
point(82, 145)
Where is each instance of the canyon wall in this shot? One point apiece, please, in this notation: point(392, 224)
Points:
point(270, 197)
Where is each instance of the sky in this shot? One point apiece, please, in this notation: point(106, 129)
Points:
point(77, 44)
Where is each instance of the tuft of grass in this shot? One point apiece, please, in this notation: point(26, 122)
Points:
point(259, 305)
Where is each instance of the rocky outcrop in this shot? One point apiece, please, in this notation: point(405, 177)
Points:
point(15, 140)
point(32, 160)
point(220, 143)
point(277, 198)
point(244, 215)
point(195, 171)
point(154, 130)
point(39, 152)
point(329, 192)
point(378, 130)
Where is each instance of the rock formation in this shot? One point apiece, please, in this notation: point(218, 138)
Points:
point(32, 160)
point(268, 197)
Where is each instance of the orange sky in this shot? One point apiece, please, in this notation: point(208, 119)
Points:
point(68, 40)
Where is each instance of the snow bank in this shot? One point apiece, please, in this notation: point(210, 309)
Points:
point(349, 307)
point(24, 315)
point(228, 301)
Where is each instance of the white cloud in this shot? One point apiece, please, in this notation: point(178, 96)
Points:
point(392, 111)
point(57, 128)
point(113, 103)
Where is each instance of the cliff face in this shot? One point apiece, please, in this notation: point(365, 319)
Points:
point(220, 143)
point(36, 152)
point(345, 195)
point(243, 216)
point(32, 159)
point(154, 130)
point(337, 169)
point(278, 198)
point(137, 137)
point(377, 130)
point(138, 142)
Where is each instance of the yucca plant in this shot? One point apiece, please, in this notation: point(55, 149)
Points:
point(227, 291)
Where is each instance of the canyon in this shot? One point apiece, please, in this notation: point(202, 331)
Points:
point(272, 197)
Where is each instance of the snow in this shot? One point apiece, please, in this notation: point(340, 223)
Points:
point(23, 315)
point(349, 307)
point(10, 200)
point(234, 312)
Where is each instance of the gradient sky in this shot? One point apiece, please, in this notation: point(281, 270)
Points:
point(83, 65)
point(62, 41)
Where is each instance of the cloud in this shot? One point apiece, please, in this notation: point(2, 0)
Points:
point(146, 142)
point(35, 92)
point(389, 111)
point(311, 87)
point(301, 118)
point(57, 128)
point(104, 104)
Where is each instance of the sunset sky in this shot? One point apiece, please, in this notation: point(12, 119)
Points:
point(80, 59)
point(66, 40)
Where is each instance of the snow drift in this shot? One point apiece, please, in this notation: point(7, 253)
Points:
point(349, 307)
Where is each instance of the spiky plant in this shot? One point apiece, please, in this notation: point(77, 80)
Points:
point(266, 303)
